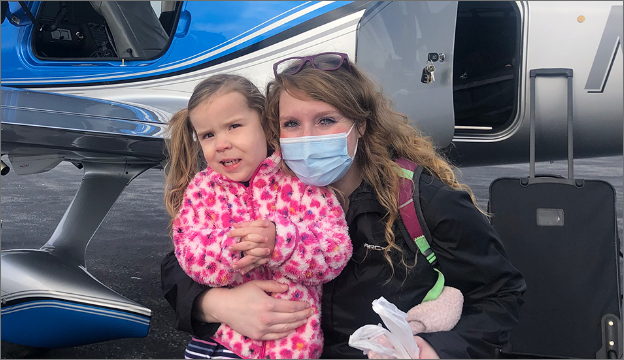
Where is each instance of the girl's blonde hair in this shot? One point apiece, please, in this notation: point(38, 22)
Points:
point(184, 155)
point(387, 135)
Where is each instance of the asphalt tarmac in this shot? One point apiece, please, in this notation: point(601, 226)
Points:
point(126, 251)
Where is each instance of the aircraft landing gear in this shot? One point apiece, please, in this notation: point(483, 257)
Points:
point(49, 299)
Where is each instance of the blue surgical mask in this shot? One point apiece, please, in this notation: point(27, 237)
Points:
point(318, 160)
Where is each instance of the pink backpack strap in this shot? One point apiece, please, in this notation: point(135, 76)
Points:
point(409, 174)
point(406, 187)
point(407, 207)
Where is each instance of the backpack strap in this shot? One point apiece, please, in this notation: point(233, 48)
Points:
point(408, 204)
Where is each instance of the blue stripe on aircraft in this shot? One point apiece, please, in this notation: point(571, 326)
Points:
point(214, 25)
point(54, 324)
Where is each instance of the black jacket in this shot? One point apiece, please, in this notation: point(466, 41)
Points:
point(469, 253)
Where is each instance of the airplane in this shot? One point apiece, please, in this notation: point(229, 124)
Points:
point(94, 83)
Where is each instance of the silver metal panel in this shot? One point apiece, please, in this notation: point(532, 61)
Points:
point(101, 186)
point(554, 38)
point(78, 145)
point(37, 123)
point(83, 107)
point(51, 302)
point(39, 274)
point(27, 107)
point(393, 41)
point(41, 288)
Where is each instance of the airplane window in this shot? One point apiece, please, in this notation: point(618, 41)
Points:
point(104, 30)
point(485, 65)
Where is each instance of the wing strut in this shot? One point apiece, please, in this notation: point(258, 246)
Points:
point(101, 186)
point(49, 300)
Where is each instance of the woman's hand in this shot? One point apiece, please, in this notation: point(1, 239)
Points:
point(251, 312)
point(426, 350)
point(257, 241)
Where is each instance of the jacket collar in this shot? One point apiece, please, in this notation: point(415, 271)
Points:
point(362, 200)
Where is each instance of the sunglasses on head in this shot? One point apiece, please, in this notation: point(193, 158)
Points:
point(328, 61)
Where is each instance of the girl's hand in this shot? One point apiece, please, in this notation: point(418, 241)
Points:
point(257, 243)
point(426, 350)
point(251, 312)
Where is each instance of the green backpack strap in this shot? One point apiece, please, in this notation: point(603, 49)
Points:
point(408, 205)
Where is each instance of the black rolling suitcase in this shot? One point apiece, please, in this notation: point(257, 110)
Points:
point(562, 236)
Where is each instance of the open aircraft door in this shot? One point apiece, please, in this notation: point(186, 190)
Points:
point(396, 42)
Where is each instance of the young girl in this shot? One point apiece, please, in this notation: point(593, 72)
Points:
point(305, 241)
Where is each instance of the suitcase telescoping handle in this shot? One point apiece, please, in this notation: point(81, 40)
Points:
point(568, 73)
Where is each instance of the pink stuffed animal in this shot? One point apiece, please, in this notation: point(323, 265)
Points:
point(441, 314)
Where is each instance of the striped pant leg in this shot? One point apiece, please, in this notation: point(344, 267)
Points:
point(207, 349)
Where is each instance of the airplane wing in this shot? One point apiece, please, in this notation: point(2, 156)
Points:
point(36, 125)
point(49, 299)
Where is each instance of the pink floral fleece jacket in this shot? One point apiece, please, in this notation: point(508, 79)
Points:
point(312, 246)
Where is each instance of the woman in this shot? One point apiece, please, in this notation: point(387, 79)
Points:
point(335, 129)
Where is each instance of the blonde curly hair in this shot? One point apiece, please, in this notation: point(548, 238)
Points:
point(387, 134)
